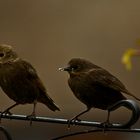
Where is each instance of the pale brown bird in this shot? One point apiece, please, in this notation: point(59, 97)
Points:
point(20, 82)
point(94, 86)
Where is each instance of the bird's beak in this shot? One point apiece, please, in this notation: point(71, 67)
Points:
point(64, 68)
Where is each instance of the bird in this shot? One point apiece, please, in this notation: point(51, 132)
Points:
point(94, 86)
point(20, 82)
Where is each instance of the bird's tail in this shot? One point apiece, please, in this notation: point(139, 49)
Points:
point(49, 103)
point(130, 94)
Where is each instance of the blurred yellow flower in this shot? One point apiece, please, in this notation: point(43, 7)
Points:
point(126, 58)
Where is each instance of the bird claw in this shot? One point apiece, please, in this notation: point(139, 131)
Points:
point(106, 124)
point(73, 121)
point(6, 112)
point(31, 117)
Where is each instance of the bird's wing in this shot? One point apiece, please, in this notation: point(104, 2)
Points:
point(104, 78)
point(31, 75)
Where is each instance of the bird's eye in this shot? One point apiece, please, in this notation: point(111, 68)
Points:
point(74, 68)
point(1, 54)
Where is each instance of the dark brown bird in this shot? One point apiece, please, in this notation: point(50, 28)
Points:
point(20, 82)
point(94, 86)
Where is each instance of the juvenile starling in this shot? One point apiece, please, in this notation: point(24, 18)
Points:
point(94, 86)
point(20, 82)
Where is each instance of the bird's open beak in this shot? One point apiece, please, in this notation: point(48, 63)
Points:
point(64, 69)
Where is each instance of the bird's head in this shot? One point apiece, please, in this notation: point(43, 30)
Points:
point(77, 65)
point(6, 53)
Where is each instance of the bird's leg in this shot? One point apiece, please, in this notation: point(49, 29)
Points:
point(7, 110)
point(33, 114)
point(75, 118)
point(107, 122)
point(108, 115)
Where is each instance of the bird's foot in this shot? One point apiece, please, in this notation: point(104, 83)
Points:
point(106, 124)
point(31, 117)
point(6, 112)
point(73, 121)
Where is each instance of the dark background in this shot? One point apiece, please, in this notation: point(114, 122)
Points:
point(48, 33)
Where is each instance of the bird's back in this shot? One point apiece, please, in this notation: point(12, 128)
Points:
point(19, 80)
point(92, 93)
point(16, 82)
